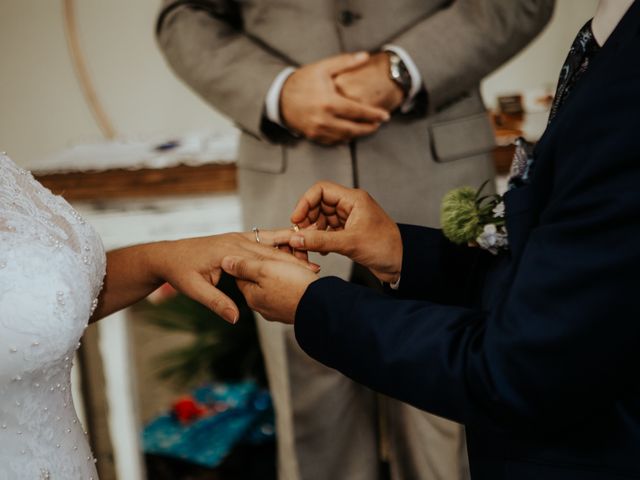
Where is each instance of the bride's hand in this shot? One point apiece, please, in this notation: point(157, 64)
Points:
point(193, 266)
point(348, 221)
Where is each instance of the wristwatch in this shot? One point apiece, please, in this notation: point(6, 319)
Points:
point(398, 72)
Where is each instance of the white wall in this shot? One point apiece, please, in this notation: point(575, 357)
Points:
point(41, 107)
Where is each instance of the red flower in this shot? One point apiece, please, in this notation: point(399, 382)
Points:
point(186, 410)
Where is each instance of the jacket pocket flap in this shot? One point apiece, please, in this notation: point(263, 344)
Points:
point(461, 138)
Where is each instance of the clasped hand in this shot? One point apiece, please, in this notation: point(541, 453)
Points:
point(340, 98)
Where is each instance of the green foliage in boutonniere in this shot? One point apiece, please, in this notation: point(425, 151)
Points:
point(471, 218)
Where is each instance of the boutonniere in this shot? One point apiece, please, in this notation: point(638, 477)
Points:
point(471, 218)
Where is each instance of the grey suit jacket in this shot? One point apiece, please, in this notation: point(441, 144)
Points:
point(412, 161)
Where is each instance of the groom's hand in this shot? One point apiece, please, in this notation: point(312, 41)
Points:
point(272, 288)
point(350, 222)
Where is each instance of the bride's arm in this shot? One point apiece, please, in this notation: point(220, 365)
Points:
point(192, 266)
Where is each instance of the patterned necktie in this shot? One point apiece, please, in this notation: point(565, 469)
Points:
point(581, 53)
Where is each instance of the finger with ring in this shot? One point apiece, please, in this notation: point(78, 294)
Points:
point(256, 232)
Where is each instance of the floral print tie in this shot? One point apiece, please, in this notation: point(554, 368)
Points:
point(581, 53)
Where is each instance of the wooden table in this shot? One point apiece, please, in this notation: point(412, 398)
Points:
point(145, 182)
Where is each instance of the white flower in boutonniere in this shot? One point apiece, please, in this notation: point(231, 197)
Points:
point(491, 239)
point(498, 211)
point(470, 218)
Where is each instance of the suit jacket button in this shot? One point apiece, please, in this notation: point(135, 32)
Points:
point(348, 18)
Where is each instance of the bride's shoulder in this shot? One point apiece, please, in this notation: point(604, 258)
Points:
point(20, 192)
point(9, 167)
point(12, 188)
point(35, 223)
point(13, 178)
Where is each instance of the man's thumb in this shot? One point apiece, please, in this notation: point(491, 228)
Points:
point(319, 241)
point(344, 62)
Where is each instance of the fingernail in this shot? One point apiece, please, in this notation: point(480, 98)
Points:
point(297, 241)
point(230, 316)
point(360, 56)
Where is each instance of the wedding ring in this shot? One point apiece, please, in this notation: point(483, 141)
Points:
point(256, 232)
point(295, 228)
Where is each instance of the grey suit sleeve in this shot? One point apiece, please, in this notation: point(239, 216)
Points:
point(459, 45)
point(226, 67)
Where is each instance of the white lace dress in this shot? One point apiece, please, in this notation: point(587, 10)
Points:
point(51, 269)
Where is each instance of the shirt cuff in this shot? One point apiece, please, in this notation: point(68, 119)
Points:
point(396, 285)
point(414, 73)
point(272, 100)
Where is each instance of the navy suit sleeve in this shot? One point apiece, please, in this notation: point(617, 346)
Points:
point(435, 269)
point(562, 344)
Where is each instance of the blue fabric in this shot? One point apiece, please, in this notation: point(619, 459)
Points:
point(536, 350)
point(207, 441)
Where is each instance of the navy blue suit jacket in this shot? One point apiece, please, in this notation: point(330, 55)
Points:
point(536, 351)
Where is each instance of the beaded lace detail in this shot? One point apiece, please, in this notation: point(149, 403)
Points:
point(52, 265)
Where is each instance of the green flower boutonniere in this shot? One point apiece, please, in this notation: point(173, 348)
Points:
point(471, 218)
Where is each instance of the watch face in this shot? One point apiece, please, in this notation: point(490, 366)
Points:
point(399, 73)
point(395, 72)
